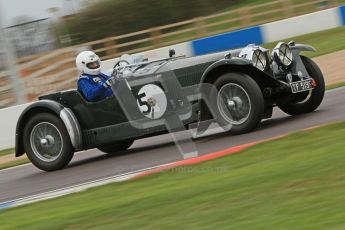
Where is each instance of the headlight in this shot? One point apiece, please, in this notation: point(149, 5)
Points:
point(282, 54)
point(259, 59)
point(256, 55)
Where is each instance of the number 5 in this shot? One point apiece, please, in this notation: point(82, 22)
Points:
point(144, 103)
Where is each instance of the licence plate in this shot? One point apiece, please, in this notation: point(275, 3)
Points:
point(301, 86)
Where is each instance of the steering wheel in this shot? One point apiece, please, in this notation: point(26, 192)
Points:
point(121, 63)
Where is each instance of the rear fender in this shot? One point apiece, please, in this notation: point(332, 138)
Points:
point(65, 114)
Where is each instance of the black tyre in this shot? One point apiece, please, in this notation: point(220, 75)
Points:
point(307, 102)
point(116, 148)
point(47, 143)
point(240, 101)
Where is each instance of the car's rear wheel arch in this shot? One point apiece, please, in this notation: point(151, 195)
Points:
point(22, 123)
point(56, 151)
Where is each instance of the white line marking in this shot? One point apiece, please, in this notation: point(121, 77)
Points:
point(75, 188)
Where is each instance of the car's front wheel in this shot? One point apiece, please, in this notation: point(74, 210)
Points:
point(309, 101)
point(47, 143)
point(240, 101)
point(117, 147)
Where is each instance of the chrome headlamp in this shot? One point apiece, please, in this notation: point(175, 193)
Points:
point(282, 54)
point(256, 55)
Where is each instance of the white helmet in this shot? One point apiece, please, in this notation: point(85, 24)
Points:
point(88, 62)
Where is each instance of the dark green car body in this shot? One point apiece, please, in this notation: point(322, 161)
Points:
point(94, 124)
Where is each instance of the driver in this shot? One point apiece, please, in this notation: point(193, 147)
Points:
point(93, 84)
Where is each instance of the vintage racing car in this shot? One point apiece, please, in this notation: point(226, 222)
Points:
point(249, 82)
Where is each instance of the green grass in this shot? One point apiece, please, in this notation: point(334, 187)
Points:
point(14, 163)
point(335, 85)
point(297, 182)
point(6, 152)
point(325, 42)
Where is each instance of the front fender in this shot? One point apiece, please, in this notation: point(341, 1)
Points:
point(235, 61)
point(237, 64)
point(65, 114)
point(298, 65)
point(234, 64)
point(297, 48)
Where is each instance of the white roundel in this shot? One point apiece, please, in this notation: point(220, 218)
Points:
point(152, 101)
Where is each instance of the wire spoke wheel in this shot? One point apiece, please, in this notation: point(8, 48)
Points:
point(46, 141)
point(303, 97)
point(234, 103)
point(307, 101)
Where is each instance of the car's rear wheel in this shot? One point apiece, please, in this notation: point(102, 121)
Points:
point(240, 101)
point(47, 143)
point(117, 147)
point(309, 101)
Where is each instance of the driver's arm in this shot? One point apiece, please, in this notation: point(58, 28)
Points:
point(91, 91)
